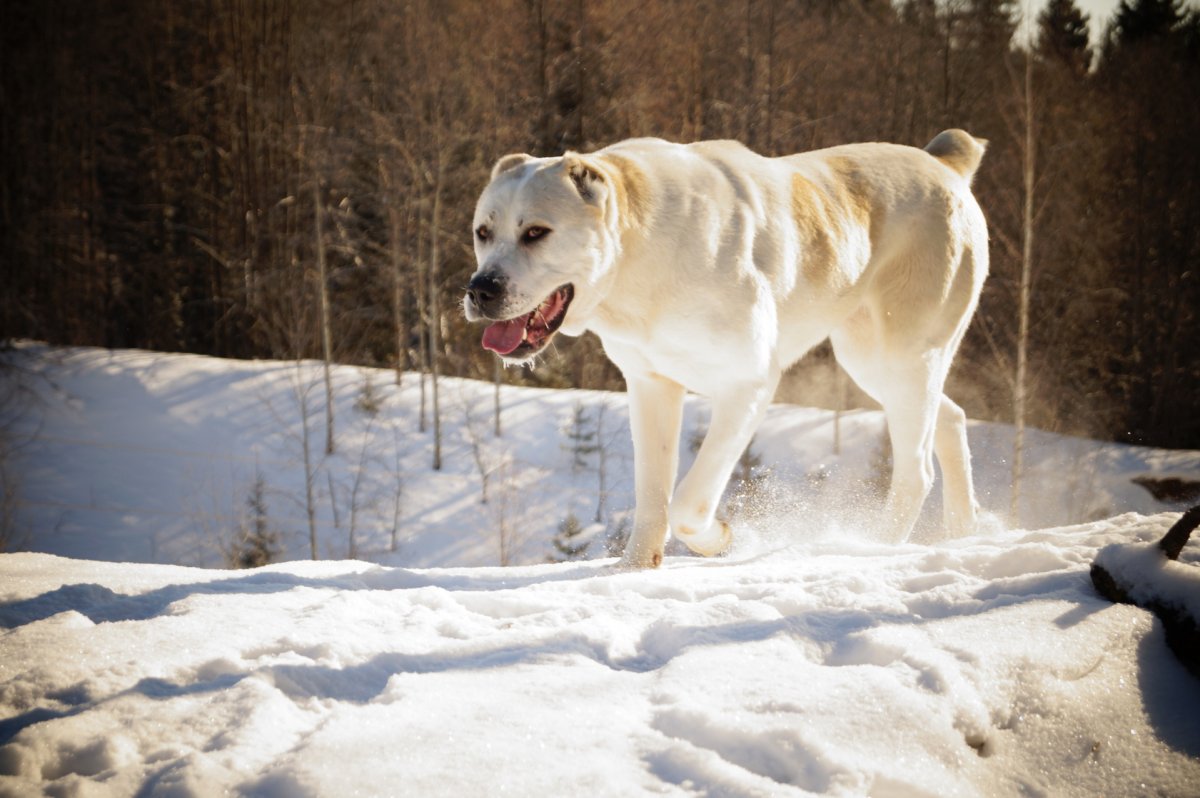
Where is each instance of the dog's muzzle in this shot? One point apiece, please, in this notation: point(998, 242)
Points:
point(515, 338)
point(486, 293)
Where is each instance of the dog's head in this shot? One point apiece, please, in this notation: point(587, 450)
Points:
point(545, 242)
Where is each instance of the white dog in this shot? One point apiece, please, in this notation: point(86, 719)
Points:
point(708, 268)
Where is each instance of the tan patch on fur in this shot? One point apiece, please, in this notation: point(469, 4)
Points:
point(827, 216)
point(726, 539)
point(852, 192)
point(817, 228)
point(631, 187)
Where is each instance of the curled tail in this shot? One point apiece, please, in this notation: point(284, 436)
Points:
point(959, 150)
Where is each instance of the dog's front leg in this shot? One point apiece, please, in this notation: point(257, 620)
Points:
point(736, 414)
point(655, 415)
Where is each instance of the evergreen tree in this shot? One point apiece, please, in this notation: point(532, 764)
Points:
point(879, 477)
point(990, 25)
point(747, 483)
point(567, 544)
point(161, 194)
point(582, 434)
point(1188, 32)
point(1151, 89)
point(1063, 35)
point(1138, 20)
point(617, 535)
point(257, 544)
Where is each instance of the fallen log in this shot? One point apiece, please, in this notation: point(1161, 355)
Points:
point(1150, 576)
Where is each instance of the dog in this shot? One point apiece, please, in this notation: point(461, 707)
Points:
point(706, 267)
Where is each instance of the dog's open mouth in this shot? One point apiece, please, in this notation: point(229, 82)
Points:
point(528, 333)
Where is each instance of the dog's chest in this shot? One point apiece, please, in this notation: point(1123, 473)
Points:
point(703, 355)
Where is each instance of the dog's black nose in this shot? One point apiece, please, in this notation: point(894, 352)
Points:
point(485, 289)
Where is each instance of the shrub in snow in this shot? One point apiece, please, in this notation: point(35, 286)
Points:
point(255, 544)
point(747, 485)
point(369, 401)
point(581, 432)
point(617, 535)
point(570, 543)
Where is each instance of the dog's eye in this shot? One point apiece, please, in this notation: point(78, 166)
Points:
point(532, 234)
point(483, 233)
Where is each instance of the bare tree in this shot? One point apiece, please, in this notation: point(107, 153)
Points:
point(603, 442)
point(356, 485)
point(289, 327)
point(435, 306)
point(503, 511)
point(323, 304)
point(164, 195)
point(1020, 380)
point(486, 461)
point(397, 474)
point(497, 371)
point(301, 389)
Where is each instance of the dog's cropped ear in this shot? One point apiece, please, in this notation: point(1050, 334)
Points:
point(510, 162)
point(588, 179)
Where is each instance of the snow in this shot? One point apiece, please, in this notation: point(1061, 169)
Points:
point(1144, 571)
point(811, 660)
point(982, 666)
point(128, 455)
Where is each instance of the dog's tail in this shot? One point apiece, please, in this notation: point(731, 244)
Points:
point(959, 150)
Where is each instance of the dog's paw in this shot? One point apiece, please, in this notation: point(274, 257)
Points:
point(713, 541)
point(640, 560)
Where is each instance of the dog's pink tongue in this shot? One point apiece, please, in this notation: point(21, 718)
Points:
point(504, 336)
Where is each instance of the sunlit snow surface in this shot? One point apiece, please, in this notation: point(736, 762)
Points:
point(985, 666)
point(135, 456)
point(813, 659)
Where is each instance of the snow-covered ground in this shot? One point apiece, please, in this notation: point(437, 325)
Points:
point(812, 660)
point(984, 666)
point(147, 457)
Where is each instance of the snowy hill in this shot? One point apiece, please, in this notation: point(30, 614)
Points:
point(147, 457)
point(812, 660)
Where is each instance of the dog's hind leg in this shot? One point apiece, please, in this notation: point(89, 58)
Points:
point(908, 384)
point(922, 422)
point(911, 405)
point(736, 414)
point(959, 507)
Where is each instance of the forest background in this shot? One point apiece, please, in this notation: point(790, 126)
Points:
point(293, 178)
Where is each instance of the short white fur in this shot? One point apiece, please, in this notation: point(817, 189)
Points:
point(708, 268)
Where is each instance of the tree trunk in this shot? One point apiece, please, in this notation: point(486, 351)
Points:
point(497, 368)
point(310, 507)
point(601, 463)
point(323, 295)
point(423, 354)
point(581, 76)
point(1020, 387)
point(435, 311)
point(399, 313)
